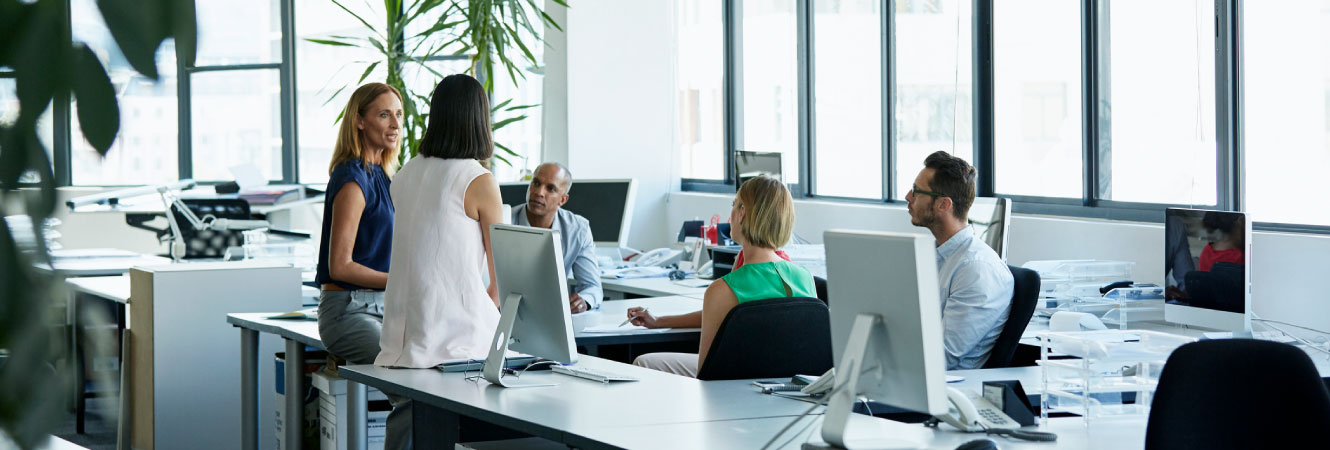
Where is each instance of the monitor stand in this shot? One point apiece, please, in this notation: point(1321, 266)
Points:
point(493, 371)
point(836, 419)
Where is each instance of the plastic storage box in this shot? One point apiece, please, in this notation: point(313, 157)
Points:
point(1103, 374)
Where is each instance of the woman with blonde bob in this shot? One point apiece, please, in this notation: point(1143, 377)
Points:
point(356, 245)
point(761, 221)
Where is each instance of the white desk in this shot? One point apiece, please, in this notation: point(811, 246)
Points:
point(651, 287)
point(613, 312)
point(577, 412)
point(104, 262)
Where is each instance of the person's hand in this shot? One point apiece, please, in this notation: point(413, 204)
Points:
point(639, 316)
point(576, 304)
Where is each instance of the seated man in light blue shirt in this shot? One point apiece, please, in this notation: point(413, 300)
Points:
point(976, 286)
point(549, 191)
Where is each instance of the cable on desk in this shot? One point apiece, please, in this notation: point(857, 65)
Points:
point(1270, 323)
point(802, 415)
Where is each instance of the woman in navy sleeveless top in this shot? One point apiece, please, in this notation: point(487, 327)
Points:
point(356, 244)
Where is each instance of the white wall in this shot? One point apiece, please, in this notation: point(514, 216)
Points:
point(1286, 267)
point(621, 104)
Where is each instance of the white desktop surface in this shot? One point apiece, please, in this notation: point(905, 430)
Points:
point(578, 406)
point(104, 265)
point(614, 312)
point(114, 288)
point(653, 287)
point(753, 433)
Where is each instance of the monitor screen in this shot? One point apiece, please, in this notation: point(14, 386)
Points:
point(751, 164)
point(606, 204)
point(1205, 259)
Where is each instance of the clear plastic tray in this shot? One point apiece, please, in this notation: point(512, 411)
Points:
point(1103, 374)
point(1062, 277)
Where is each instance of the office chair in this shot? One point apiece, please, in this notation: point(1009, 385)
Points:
point(820, 284)
point(779, 337)
point(1023, 300)
point(1238, 393)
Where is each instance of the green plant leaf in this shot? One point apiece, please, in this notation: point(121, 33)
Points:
point(496, 108)
point(515, 108)
point(505, 122)
point(334, 95)
point(506, 149)
point(184, 29)
point(99, 115)
point(330, 42)
point(357, 17)
point(368, 69)
point(136, 33)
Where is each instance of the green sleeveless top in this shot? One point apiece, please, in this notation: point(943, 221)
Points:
point(761, 281)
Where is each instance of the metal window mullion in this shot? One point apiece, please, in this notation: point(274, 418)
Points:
point(982, 56)
point(733, 85)
point(888, 101)
point(224, 68)
point(804, 81)
point(287, 74)
point(1228, 105)
point(1090, 101)
point(184, 118)
point(61, 117)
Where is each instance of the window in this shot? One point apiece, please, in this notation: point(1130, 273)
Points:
point(236, 119)
point(847, 93)
point(1287, 109)
point(234, 32)
point(1037, 98)
point(770, 82)
point(323, 71)
point(699, 79)
point(934, 100)
point(138, 97)
point(1160, 112)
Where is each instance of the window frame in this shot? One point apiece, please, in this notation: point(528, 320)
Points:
point(1230, 154)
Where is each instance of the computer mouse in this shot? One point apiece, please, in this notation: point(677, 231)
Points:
point(979, 444)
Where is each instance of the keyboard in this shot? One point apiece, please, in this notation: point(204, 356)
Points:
point(591, 374)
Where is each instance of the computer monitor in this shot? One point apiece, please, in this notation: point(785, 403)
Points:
point(886, 325)
point(991, 218)
point(606, 204)
point(533, 289)
point(1206, 273)
point(749, 164)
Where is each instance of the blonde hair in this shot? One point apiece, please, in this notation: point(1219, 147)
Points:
point(769, 212)
point(349, 146)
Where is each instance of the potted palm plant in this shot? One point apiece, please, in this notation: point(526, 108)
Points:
point(496, 36)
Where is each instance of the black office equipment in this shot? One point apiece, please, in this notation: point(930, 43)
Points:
point(1009, 396)
point(208, 243)
point(773, 338)
point(1023, 300)
point(606, 204)
point(1238, 393)
point(723, 259)
point(821, 285)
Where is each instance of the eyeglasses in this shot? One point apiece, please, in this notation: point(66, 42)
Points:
point(916, 190)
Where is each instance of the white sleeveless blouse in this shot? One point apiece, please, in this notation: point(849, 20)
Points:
point(435, 305)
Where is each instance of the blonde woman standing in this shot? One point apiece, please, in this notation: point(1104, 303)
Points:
point(355, 248)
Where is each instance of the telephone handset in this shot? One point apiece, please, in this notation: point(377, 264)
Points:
point(823, 384)
point(660, 257)
point(970, 412)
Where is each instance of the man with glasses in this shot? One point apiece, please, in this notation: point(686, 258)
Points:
point(976, 286)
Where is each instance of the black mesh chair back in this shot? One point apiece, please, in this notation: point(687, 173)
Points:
point(1023, 300)
point(1238, 394)
point(774, 338)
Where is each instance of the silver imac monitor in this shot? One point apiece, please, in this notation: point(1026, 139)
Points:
point(533, 291)
point(606, 204)
point(1206, 275)
point(991, 219)
point(886, 325)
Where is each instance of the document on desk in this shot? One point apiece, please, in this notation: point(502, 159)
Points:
point(629, 328)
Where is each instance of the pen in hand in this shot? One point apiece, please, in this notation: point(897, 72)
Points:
point(630, 319)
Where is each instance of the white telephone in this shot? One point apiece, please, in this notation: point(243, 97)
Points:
point(973, 413)
point(660, 257)
point(822, 385)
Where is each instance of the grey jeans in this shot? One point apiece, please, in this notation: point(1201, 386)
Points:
point(349, 325)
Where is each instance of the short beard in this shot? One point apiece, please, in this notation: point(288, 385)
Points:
point(924, 221)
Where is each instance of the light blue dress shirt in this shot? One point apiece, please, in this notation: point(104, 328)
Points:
point(579, 252)
point(976, 288)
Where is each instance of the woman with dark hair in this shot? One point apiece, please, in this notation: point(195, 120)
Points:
point(437, 306)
